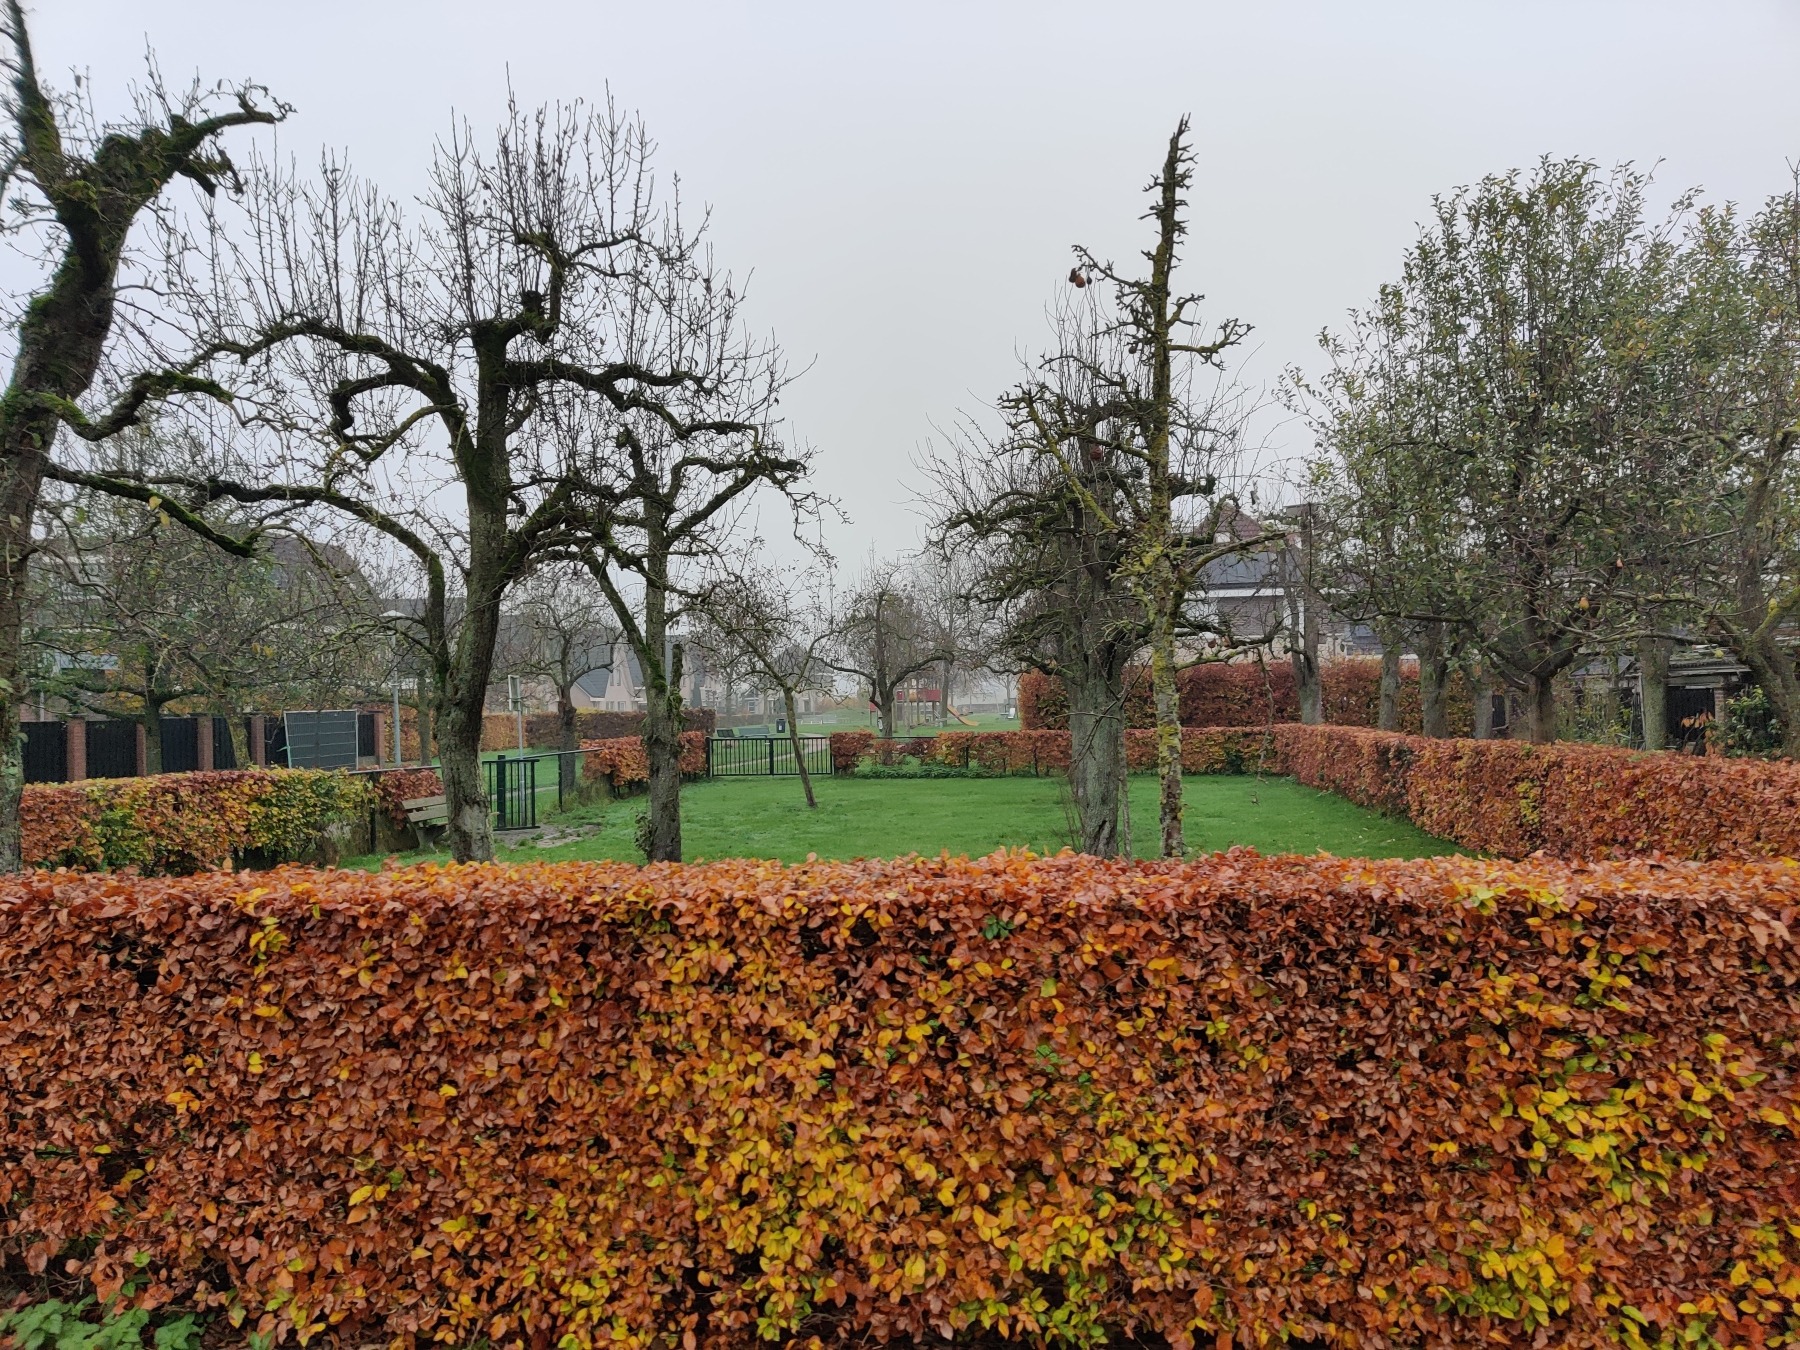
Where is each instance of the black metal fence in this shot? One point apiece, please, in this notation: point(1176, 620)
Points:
point(766, 756)
point(46, 752)
point(512, 789)
point(112, 749)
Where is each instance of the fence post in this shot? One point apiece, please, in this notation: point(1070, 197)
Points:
point(75, 750)
point(771, 756)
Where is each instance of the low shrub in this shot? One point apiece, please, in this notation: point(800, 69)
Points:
point(394, 789)
point(594, 724)
point(848, 749)
point(1243, 1101)
point(624, 765)
point(187, 822)
point(1571, 801)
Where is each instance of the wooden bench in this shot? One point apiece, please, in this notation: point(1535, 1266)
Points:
point(427, 816)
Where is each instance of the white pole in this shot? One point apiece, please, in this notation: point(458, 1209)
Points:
point(396, 651)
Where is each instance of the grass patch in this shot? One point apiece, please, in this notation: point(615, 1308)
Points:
point(880, 818)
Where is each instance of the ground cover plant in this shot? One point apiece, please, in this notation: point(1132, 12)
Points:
point(1434, 1103)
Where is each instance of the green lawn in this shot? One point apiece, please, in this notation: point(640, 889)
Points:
point(767, 818)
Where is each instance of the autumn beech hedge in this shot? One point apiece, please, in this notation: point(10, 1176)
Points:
point(185, 822)
point(1571, 801)
point(623, 764)
point(1253, 693)
point(1242, 1102)
point(1204, 750)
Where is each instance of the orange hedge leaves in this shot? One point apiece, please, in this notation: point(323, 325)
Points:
point(1203, 750)
point(185, 822)
point(1242, 1101)
point(1571, 801)
point(623, 763)
point(1253, 693)
point(399, 786)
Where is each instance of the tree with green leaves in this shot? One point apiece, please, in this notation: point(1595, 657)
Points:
point(1744, 393)
point(1497, 422)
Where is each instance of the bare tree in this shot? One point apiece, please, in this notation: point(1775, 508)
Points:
point(1036, 506)
point(1179, 447)
point(560, 628)
point(76, 194)
point(769, 627)
point(945, 587)
point(884, 635)
point(423, 379)
point(669, 494)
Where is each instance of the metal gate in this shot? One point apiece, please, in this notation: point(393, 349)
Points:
point(766, 757)
point(512, 788)
point(112, 748)
point(321, 740)
point(180, 744)
point(1690, 711)
point(46, 752)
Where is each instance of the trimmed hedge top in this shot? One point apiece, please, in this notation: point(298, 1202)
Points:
point(1248, 1100)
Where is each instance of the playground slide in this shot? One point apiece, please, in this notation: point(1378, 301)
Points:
point(966, 721)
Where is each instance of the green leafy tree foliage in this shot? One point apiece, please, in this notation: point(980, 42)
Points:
point(1497, 424)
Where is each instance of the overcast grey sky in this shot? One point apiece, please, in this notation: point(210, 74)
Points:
point(904, 181)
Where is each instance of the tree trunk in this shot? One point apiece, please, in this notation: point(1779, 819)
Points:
point(1388, 718)
point(1540, 709)
point(465, 794)
point(1483, 685)
point(884, 708)
point(1653, 655)
point(793, 721)
point(1303, 621)
point(1096, 757)
point(1777, 674)
point(1306, 685)
point(1434, 682)
point(568, 739)
point(235, 727)
point(662, 707)
point(151, 722)
point(1168, 736)
point(461, 700)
